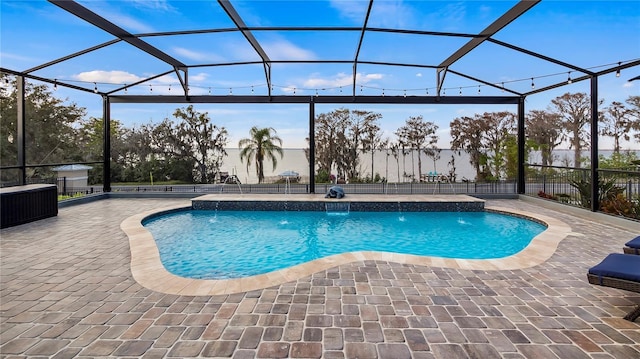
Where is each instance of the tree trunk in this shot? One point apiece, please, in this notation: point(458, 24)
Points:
point(419, 164)
point(372, 154)
point(260, 172)
point(545, 151)
point(413, 167)
point(577, 153)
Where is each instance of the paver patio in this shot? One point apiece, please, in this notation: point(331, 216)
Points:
point(67, 291)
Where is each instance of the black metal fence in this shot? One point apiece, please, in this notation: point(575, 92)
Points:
point(618, 190)
point(499, 187)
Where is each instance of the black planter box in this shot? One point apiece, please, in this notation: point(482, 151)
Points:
point(24, 204)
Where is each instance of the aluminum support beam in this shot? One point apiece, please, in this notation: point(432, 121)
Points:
point(106, 144)
point(139, 82)
point(226, 99)
point(235, 17)
point(42, 79)
point(312, 146)
point(308, 28)
point(355, 59)
point(21, 128)
point(504, 20)
point(502, 88)
point(104, 24)
point(521, 146)
point(543, 57)
point(71, 56)
point(595, 180)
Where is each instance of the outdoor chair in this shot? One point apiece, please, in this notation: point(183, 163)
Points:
point(633, 246)
point(621, 271)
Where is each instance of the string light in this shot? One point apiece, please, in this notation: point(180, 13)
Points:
point(502, 86)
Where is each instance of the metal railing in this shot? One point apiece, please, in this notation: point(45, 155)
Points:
point(498, 187)
point(618, 190)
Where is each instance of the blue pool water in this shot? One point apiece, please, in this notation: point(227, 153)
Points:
point(234, 244)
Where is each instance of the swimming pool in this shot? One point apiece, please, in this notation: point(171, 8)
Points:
point(208, 244)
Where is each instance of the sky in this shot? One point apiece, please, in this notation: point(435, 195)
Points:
point(593, 35)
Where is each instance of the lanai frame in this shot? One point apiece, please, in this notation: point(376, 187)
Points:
point(182, 72)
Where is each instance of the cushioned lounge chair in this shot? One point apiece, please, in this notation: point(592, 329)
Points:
point(620, 271)
point(633, 246)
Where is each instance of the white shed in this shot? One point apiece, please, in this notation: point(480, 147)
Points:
point(75, 175)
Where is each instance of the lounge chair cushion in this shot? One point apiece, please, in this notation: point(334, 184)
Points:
point(618, 265)
point(634, 243)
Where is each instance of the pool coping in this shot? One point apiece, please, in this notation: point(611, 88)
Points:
point(148, 271)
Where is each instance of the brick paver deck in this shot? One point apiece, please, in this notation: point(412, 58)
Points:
point(67, 291)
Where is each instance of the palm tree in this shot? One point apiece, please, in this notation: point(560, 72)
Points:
point(261, 145)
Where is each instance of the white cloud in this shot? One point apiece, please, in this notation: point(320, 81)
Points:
point(192, 55)
point(7, 55)
point(198, 77)
point(454, 12)
point(241, 51)
point(419, 74)
point(129, 23)
point(161, 5)
point(285, 50)
point(352, 10)
point(628, 84)
point(166, 79)
point(197, 56)
point(116, 77)
point(394, 14)
point(383, 13)
point(341, 79)
point(163, 85)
